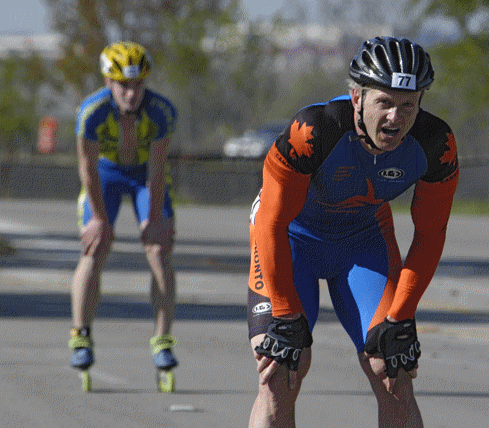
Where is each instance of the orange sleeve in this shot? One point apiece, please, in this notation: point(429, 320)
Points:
point(430, 211)
point(282, 199)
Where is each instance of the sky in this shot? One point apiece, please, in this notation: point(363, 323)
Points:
point(31, 16)
point(24, 16)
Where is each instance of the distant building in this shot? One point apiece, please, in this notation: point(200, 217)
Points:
point(46, 45)
point(300, 47)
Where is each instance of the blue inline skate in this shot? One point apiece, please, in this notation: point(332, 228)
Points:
point(83, 357)
point(164, 361)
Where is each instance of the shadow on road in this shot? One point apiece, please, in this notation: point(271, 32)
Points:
point(185, 259)
point(58, 305)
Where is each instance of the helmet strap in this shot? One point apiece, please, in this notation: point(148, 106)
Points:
point(361, 125)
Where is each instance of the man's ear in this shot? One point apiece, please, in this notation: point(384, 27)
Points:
point(420, 98)
point(356, 99)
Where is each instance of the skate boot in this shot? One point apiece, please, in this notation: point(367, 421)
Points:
point(82, 358)
point(164, 361)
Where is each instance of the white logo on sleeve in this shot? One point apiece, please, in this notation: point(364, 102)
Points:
point(404, 81)
point(262, 308)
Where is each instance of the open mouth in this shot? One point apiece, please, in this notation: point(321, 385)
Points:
point(391, 132)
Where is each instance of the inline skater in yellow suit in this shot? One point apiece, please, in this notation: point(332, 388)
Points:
point(123, 132)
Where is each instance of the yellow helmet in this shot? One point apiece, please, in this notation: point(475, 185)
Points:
point(125, 60)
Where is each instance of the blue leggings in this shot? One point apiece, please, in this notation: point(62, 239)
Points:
point(361, 272)
point(117, 181)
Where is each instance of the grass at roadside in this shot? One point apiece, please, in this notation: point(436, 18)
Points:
point(5, 247)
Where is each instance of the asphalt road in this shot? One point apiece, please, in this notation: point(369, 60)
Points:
point(216, 380)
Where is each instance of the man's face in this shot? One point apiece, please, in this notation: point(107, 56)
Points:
point(128, 95)
point(387, 114)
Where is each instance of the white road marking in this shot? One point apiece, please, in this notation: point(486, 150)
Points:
point(7, 226)
point(102, 376)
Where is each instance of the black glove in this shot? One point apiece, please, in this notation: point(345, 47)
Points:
point(285, 340)
point(398, 344)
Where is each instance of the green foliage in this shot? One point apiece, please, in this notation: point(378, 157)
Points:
point(172, 32)
point(463, 72)
point(316, 86)
point(5, 247)
point(184, 57)
point(461, 89)
point(20, 79)
point(458, 9)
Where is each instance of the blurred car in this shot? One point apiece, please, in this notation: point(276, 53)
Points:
point(254, 143)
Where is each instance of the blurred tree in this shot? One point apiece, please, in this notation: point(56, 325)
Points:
point(16, 104)
point(172, 30)
point(461, 89)
point(315, 86)
point(20, 79)
point(457, 9)
point(253, 74)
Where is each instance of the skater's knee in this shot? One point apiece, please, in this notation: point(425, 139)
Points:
point(403, 392)
point(158, 237)
point(277, 392)
point(276, 400)
point(100, 250)
point(159, 251)
point(96, 239)
point(278, 389)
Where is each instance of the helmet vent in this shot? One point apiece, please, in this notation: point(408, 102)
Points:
point(382, 60)
point(411, 65)
point(117, 64)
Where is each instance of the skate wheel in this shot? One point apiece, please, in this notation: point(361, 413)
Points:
point(86, 381)
point(166, 381)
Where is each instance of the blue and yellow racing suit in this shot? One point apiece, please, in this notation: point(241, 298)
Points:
point(98, 122)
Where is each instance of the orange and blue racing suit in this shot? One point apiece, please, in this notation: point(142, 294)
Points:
point(323, 213)
point(98, 122)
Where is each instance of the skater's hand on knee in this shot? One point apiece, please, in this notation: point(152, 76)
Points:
point(282, 345)
point(95, 235)
point(268, 367)
point(159, 231)
point(392, 346)
point(378, 366)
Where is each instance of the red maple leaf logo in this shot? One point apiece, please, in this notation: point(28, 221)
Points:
point(361, 201)
point(450, 155)
point(298, 139)
point(358, 200)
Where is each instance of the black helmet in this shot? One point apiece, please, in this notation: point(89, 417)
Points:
point(392, 63)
